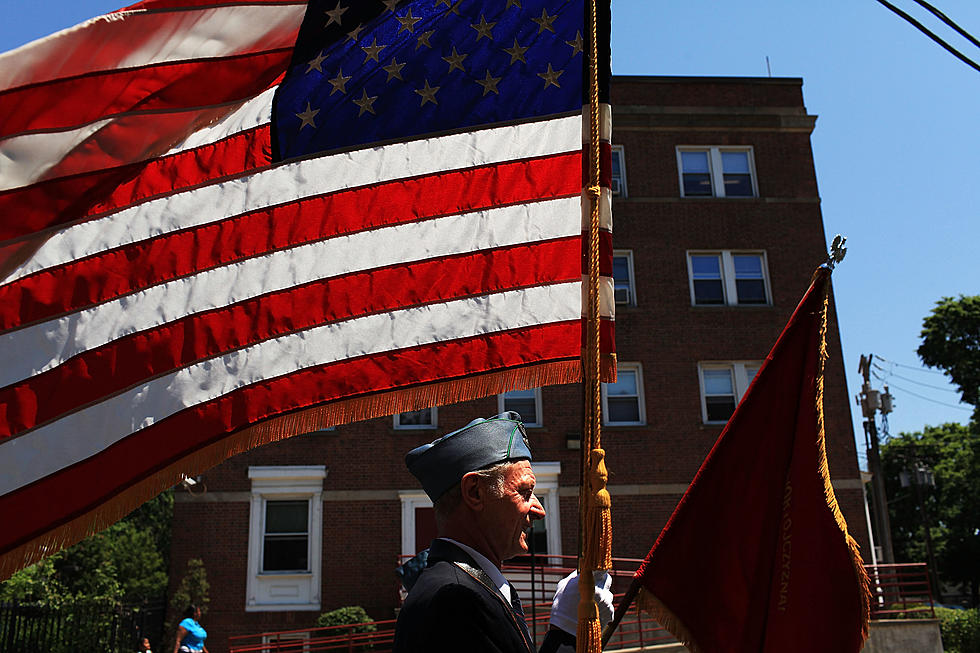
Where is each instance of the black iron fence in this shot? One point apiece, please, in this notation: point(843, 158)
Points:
point(79, 626)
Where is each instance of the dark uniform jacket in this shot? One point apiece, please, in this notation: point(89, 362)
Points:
point(454, 607)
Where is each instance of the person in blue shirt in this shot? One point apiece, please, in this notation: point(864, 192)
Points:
point(190, 633)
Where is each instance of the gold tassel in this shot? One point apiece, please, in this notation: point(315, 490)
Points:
point(597, 552)
point(589, 631)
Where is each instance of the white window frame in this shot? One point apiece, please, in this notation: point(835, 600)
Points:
point(545, 488)
point(272, 640)
point(618, 185)
point(715, 169)
point(537, 408)
point(398, 426)
point(628, 255)
point(641, 402)
point(281, 591)
point(728, 280)
point(740, 379)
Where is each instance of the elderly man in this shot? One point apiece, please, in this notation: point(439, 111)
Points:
point(482, 489)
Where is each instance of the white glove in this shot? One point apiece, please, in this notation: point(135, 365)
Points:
point(564, 607)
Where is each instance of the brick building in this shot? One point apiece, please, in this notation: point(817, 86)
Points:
point(717, 231)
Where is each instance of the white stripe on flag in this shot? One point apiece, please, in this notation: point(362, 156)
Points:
point(25, 159)
point(293, 181)
point(254, 113)
point(607, 296)
point(34, 455)
point(156, 37)
point(40, 347)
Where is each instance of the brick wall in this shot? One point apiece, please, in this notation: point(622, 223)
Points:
point(652, 116)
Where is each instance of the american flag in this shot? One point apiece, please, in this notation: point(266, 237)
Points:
point(226, 223)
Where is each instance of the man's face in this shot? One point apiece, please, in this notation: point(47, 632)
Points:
point(509, 517)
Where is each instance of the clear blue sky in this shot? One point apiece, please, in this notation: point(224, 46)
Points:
point(897, 147)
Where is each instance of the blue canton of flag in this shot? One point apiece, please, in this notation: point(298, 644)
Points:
point(376, 71)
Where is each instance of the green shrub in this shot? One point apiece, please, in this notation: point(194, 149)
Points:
point(355, 617)
point(352, 614)
point(960, 630)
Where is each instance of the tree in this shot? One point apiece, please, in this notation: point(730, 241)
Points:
point(193, 589)
point(138, 563)
point(951, 342)
point(84, 571)
point(126, 562)
point(952, 507)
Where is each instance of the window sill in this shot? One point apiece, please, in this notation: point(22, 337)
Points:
point(741, 307)
point(283, 607)
point(706, 198)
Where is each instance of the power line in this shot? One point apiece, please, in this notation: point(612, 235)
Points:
point(924, 398)
point(890, 374)
point(946, 19)
point(922, 28)
point(917, 368)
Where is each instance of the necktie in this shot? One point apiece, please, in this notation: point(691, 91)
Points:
point(515, 601)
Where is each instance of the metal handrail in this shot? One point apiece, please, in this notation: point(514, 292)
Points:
point(898, 591)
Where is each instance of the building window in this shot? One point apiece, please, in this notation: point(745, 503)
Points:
point(286, 541)
point(722, 387)
point(625, 290)
point(726, 277)
point(427, 418)
point(716, 172)
point(618, 184)
point(537, 538)
point(527, 403)
point(284, 546)
point(622, 401)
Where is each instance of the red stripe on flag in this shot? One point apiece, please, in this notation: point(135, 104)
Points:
point(121, 271)
point(104, 371)
point(55, 202)
point(165, 5)
point(605, 254)
point(135, 137)
point(81, 488)
point(605, 166)
point(166, 87)
point(607, 336)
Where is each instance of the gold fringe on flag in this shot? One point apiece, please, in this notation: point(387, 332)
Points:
point(661, 613)
point(824, 470)
point(301, 421)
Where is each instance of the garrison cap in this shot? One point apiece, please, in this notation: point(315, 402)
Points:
point(441, 464)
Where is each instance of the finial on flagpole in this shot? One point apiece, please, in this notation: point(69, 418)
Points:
point(837, 251)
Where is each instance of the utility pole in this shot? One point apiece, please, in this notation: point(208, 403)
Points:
point(871, 402)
